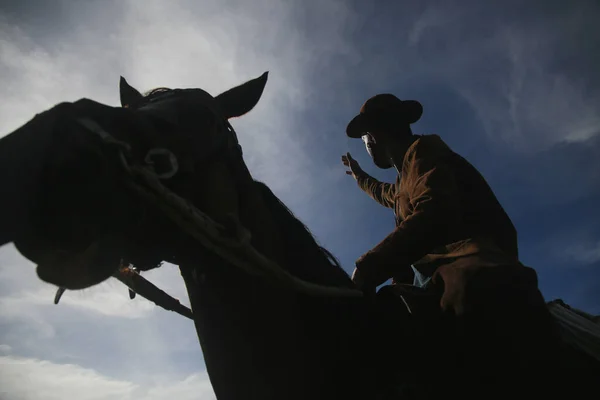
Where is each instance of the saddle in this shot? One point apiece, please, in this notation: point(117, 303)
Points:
point(500, 287)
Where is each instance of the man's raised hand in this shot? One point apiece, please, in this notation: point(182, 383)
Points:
point(352, 164)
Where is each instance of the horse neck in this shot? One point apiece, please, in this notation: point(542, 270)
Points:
point(264, 341)
point(257, 218)
point(280, 236)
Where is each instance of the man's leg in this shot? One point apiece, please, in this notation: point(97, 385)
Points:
point(417, 341)
point(511, 330)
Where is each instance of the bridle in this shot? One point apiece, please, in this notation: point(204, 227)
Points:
point(232, 244)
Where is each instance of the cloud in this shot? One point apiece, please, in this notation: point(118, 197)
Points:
point(517, 68)
point(4, 348)
point(27, 378)
point(20, 309)
point(585, 253)
point(100, 327)
point(105, 300)
point(431, 20)
point(196, 386)
point(545, 107)
point(24, 379)
point(214, 46)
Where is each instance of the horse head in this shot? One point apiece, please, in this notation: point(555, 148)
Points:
point(88, 221)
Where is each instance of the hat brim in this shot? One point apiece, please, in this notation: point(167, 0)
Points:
point(357, 127)
point(360, 125)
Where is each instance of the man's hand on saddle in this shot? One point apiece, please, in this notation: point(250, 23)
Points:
point(354, 168)
point(367, 274)
point(453, 279)
point(361, 283)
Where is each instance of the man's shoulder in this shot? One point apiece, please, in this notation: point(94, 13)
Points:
point(431, 140)
point(429, 146)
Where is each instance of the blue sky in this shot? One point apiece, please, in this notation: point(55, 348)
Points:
point(512, 87)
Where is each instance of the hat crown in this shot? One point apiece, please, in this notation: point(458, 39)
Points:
point(382, 103)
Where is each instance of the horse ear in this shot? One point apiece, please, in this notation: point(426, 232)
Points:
point(241, 99)
point(129, 95)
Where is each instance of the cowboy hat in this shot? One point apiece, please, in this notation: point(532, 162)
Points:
point(381, 111)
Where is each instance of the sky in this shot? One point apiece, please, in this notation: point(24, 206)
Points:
point(512, 87)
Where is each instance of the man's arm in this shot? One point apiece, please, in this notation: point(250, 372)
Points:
point(436, 211)
point(381, 192)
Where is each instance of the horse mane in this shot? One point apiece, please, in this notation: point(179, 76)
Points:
point(306, 259)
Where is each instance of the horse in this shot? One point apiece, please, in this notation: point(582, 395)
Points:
point(73, 212)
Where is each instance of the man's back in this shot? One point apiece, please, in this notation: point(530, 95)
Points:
point(482, 213)
point(433, 172)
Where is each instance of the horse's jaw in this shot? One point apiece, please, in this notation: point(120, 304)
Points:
point(72, 270)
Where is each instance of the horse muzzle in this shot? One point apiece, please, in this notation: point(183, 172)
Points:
point(74, 269)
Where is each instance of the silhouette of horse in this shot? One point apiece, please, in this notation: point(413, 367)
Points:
point(71, 210)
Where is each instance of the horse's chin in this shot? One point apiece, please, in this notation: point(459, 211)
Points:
point(76, 271)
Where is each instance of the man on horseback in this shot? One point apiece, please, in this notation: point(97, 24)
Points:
point(446, 214)
point(452, 236)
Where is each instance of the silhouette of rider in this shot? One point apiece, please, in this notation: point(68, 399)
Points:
point(449, 223)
